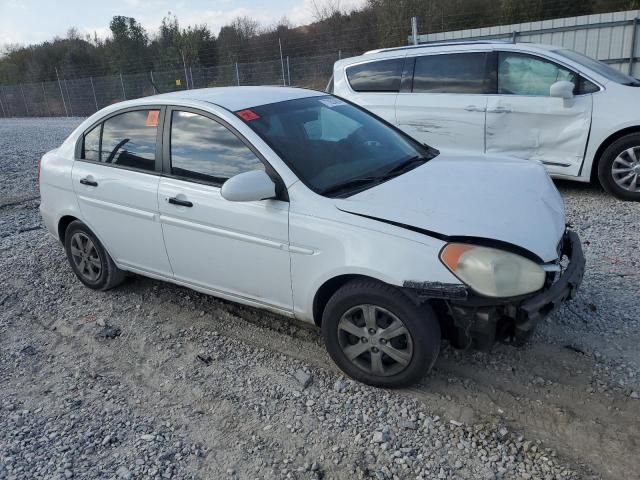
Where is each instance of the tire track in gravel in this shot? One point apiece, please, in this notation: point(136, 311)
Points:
point(594, 429)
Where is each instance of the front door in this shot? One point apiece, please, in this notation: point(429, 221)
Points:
point(445, 107)
point(116, 183)
point(237, 249)
point(523, 121)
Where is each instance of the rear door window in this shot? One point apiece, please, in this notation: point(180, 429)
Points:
point(129, 139)
point(380, 76)
point(452, 73)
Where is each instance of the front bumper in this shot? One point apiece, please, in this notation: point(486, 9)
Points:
point(541, 305)
point(482, 319)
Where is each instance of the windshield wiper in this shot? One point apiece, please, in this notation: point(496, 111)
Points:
point(349, 185)
point(370, 180)
point(405, 166)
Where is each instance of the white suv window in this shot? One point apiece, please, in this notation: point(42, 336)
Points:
point(451, 73)
point(379, 76)
point(520, 74)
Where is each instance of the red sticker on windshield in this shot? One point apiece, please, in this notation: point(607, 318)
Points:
point(247, 115)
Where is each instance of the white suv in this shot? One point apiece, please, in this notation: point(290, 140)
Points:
point(576, 115)
point(298, 202)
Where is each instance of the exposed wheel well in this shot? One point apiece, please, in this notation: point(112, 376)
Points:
point(326, 291)
point(62, 226)
point(604, 145)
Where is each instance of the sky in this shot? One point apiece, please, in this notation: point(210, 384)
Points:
point(33, 21)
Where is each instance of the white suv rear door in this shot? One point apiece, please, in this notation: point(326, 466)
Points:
point(524, 121)
point(445, 104)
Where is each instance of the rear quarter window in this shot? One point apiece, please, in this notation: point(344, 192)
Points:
point(379, 76)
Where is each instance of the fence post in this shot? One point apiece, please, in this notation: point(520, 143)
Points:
point(66, 87)
point(414, 30)
point(339, 54)
point(237, 74)
point(124, 94)
point(191, 76)
point(288, 71)
point(24, 99)
point(66, 112)
point(284, 82)
point(632, 55)
point(514, 36)
point(4, 114)
point(95, 100)
point(153, 82)
point(184, 65)
point(46, 102)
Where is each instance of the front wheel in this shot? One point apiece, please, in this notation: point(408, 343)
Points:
point(378, 336)
point(619, 168)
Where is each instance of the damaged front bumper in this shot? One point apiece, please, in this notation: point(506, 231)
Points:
point(481, 320)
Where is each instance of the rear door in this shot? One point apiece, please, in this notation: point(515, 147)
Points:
point(444, 106)
point(374, 85)
point(116, 177)
point(239, 249)
point(523, 121)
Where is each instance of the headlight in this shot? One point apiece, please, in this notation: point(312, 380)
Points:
point(492, 272)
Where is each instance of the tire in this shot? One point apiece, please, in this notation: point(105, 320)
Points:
point(621, 155)
point(89, 260)
point(345, 329)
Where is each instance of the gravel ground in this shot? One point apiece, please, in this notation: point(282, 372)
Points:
point(152, 380)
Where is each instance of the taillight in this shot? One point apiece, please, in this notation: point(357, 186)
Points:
point(38, 175)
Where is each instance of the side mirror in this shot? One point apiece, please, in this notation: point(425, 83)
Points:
point(248, 187)
point(562, 89)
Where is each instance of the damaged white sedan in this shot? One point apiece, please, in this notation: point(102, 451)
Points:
point(298, 202)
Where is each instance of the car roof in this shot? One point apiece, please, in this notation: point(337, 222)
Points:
point(237, 98)
point(445, 46)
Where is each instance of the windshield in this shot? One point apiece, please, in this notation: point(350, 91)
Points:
point(599, 67)
point(330, 144)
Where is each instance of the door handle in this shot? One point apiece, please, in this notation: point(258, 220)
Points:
point(182, 203)
point(90, 183)
point(473, 108)
point(500, 110)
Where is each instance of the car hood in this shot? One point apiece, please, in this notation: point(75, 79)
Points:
point(504, 199)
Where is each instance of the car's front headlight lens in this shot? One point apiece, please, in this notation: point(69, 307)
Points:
point(492, 272)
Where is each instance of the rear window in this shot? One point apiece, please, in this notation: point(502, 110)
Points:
point(381, 76)
point(451, 73)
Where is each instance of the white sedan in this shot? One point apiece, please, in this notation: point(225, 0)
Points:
point(301, 203)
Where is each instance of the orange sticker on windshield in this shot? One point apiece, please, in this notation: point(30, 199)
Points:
point(152, 118)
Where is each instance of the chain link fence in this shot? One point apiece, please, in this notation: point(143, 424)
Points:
point(84, 96)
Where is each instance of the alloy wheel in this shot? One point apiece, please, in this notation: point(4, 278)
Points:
point(625, 169)
point(86, 257)
point(375, 340)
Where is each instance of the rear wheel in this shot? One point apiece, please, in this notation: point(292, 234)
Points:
point(89, 260)
point(619, 168)
point(378, 336)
